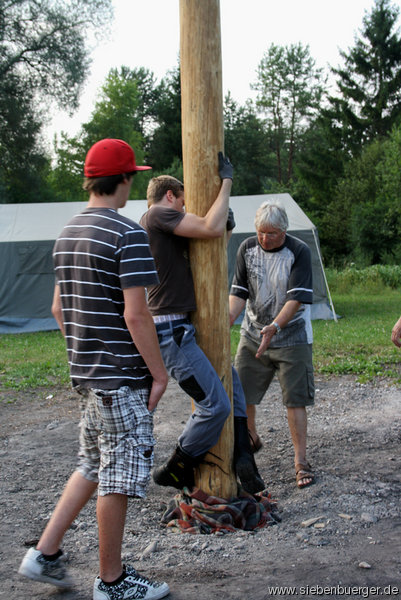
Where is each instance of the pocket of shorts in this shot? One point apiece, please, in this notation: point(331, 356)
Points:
point(143, 446)
point(115, 413)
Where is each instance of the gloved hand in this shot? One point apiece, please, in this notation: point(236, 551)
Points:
point(226, 169)
point(230, 219)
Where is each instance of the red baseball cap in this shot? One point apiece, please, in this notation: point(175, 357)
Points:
point(110, 157)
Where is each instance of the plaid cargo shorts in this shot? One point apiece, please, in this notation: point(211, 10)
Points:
point(116, 440)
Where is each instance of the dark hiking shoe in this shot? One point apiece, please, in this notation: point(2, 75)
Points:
point(244, 461)
point(248, 475)
point(178, 472)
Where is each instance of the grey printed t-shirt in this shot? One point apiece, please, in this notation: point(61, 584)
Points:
point(266, 280)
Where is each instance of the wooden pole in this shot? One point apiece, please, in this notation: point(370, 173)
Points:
point(202, 139)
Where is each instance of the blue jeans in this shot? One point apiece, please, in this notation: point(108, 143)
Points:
point(189, 366)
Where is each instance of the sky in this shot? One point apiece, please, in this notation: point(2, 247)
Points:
point(146, 33)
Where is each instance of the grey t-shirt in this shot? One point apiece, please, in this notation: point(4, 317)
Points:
point(267, 280)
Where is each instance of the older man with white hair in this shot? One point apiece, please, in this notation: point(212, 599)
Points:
point(273, 282)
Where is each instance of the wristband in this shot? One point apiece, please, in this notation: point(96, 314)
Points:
point(277, 326)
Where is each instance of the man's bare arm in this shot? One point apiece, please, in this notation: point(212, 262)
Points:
point(143, 332)
point(213, 224)
point(285, 315)
point(57, 311)
point(236, 306)
point(396, 334)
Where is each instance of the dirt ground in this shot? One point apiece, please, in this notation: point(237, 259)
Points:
point(338, 538)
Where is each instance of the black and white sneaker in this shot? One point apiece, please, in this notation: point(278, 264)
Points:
point(36, 567)
point(133, 585)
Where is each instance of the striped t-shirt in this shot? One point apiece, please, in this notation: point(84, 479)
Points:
point(97, 255)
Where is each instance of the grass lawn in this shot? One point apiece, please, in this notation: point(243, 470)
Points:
point(30, 360)
point(359, 343)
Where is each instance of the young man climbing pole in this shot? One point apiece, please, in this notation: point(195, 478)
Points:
point(171, 301)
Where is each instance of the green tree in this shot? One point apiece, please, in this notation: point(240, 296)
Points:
point(389, 183)
point(45, 43)
point(320, 164)
point(23, 163)
point(363, 220)
point(118, 113)
point(66, 177)
point(370, 81)
point(43, 59)
point(127, 100)
point(355, 231)
point(247, 145)
point(164, 148)
point(389, 168)
point(366, 107)
point(290, 90)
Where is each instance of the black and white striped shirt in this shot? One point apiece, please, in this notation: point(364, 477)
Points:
point(97, 255)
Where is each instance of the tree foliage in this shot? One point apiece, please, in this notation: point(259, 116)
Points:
point(370, 80)
point(23, 163)
point(118, 113)
point(44, 44)
point(43, 58)
point(388, 175)
point(290, 89)
point(164, 148)
point(363, 220)
point(344, 147)
point(248, 146)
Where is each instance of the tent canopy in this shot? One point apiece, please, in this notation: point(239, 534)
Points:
point(27, 236)
point(245, 208)
point(28, 233)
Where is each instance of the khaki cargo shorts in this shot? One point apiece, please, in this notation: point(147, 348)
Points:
point(292, 364)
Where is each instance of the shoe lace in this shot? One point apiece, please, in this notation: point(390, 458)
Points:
point(142, 579)
point(138, 578)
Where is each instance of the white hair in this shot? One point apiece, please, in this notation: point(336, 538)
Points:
point(271, 214)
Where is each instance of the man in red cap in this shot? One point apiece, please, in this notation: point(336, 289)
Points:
point(103, 265)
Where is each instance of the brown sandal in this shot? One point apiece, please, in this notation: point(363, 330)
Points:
point(256, 442)
point(304, 471)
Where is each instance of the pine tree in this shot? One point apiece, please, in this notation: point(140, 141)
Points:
point(290, 90)
point(370, 81)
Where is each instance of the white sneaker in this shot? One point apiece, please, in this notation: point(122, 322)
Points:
point(133, 586)
point(36, 567)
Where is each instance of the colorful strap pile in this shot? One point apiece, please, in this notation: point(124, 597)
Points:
point(196, 512)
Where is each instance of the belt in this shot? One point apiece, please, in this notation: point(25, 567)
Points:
point(173, 324)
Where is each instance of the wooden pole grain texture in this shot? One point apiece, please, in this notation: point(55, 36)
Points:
point(202, 139)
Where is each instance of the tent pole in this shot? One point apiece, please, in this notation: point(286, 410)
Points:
point(324, 275)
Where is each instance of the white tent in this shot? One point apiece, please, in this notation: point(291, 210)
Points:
point(27, 236)
point(28, 233)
